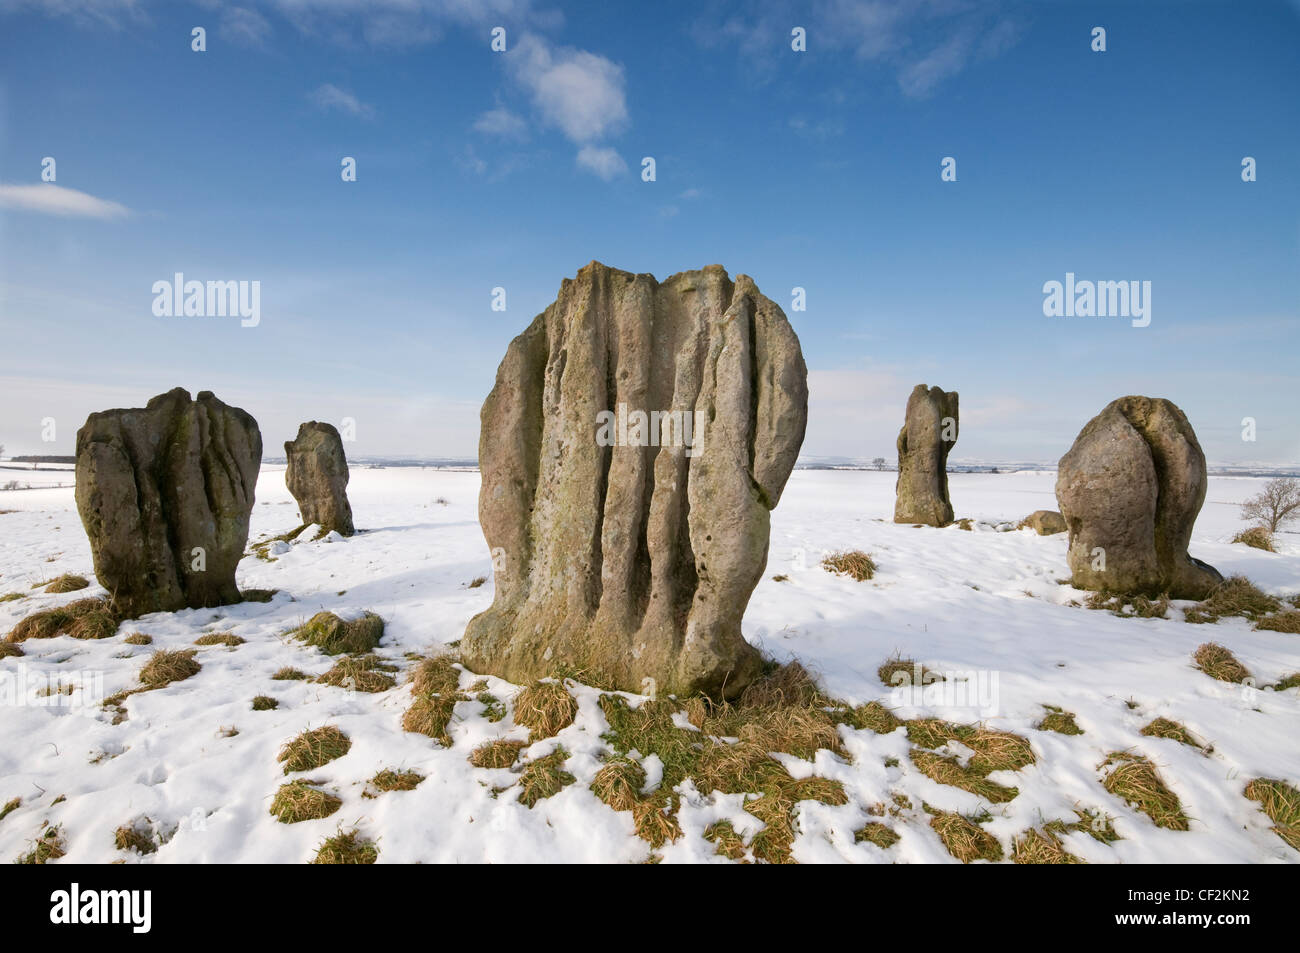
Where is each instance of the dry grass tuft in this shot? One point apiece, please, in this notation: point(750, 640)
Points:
point(11, 650)
point(67, 583)
point(1217, 662)
point(299, 801)
point(133, 837)
point(288, 674)
point(335, 636)
point(390, 780)
point(48, 845)
point(545, 708)
point(13, 596)
point(10, 806)
point(725, 840)
point(265, 703)
point(219, 638)
point(501, 753)
point(1235, 596)
point(1288, 622)
point(349, 848)
point(965, 839)
point(1128, 606)
point(476, 582)
point(1060, 721)
point(360, 673)
point(82, 619)
point(436, 676)
point(898, 672)
point(430, 716)
point(1281, 803)
point(1041, 847)
point(311, 749)
point(874, 717)
point(619, 783)
point(655, 819)
point(1257, 537)
point(1165, 728)
point(853, 563)
point(165, 667)
point(138, 638)
point(544, 777)
point(948, 770)
point(1135, 780)
point(876, 833)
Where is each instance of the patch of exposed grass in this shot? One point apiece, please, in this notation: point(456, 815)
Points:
point(1281, 803)
point(501, 753)
point(1100, 827)
point(874, 717)
point(655, 819)
point(476, 582)
point(948, 770)
point(964, 838)
point(265, 703)
point(1235, 596)
point(360, 673)
point(11, 650)
point(876, 833)
point(133, 837)
point(346, 848)
point(335, 636)
point(390, 780)
point(138, 638)
point(853, 563)
point(165, 667)
point(1256, 537)
point(779, 577)
point(1165, 728)
point(1291, 681)
point(82, 619)
point(436, 676)
point(544, 777)
point(1060, 721)
point(898, 671)
point(261, 549)
point(993, 750)
point(1128, 606)
point(430, 716)
point(12, 596)
point(299, 801)
point(219, 638)
point(257, 595)
point(1135, 780)
point(1041, 847)
point(288, 674)
point(311, 749)
point(67, 583)
point(722, 835)
point(493, 708)
point(1217, 662)
point(48, 845)
point(10, 806)
point(545, 708)
point(619, 783)
point(1288, 622)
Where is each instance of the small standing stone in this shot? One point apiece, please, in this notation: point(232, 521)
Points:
point(317, 477)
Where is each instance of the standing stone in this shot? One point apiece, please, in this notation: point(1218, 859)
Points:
point(165, 493)
point(626, 560)
point(1130, 489)
point(929, 432)
point(317, 477)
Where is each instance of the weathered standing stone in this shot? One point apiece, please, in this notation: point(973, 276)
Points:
point(929, 432)
point(1044, 522)
point(317, 477)
point(630, 563)
point(165, 493)
point(1130, 488)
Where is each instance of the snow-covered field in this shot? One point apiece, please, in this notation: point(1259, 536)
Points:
point(984, 603)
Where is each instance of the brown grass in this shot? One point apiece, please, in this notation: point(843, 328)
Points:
point(1135, 780)
point(289, 674)
point(905, 671)
point(265, 703)
point(1257, 537)
point(132, 837)
point(67, 583)
point(501, 753)
point(1165, 728)
point(10, 806)
point(544, 777)
point(335, 636)
point(219, 638)
point(430, 716)
point(48, 845)
point(82, 619)
point(619, 783)
point(436, 676)
point(11, 650)
point(545, 708)
point(963, 838)
point(1288, 622)
point(1281, 803)
point(1235, 596)
point(876, 833)
point(725, 840)
point(948, 770)
point(1060, 721)
point(476, 582)
point(1217, 662)
point(1041, 847)
point(138, 638)
point(360, 673)
point(874, 717)
point(299, 801)
point(349, 848)
point(311, 749)
point(165, 667)
point(852, 563)
point(390, 780)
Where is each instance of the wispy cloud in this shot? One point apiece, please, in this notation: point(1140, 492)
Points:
point(579, 92)
point(329, 96)
point(501, 122)
point(49, 199)
point(93, 13)
point(244, 26)
point(603, 161)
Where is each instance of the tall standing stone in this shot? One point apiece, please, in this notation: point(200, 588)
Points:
point(628, 560)
point(928, 434)
point(317, 476)
point(165, 494)
point(1130, 489)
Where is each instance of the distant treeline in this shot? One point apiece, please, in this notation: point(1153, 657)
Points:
point(32, 459)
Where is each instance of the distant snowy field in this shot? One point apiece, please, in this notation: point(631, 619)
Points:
point(982, 602)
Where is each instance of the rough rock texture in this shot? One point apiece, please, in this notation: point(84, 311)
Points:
point(921, 494)
point(153, 485)
point(1045, 522)
point(1132, 485)
point(317, 477)
point(628, 563)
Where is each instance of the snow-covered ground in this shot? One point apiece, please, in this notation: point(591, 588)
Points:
point(984, 603)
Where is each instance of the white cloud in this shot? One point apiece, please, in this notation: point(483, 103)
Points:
point(603, 161)
point(244, 26)
point(579, 92)
point(48, 199)
point(503, 123)
point(89, 13)
point(920, 78)
point(329, 96)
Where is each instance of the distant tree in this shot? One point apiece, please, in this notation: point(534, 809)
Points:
point(878, 463)
point(1278, 503)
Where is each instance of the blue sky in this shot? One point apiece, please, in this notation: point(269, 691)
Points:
point(816, 169)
